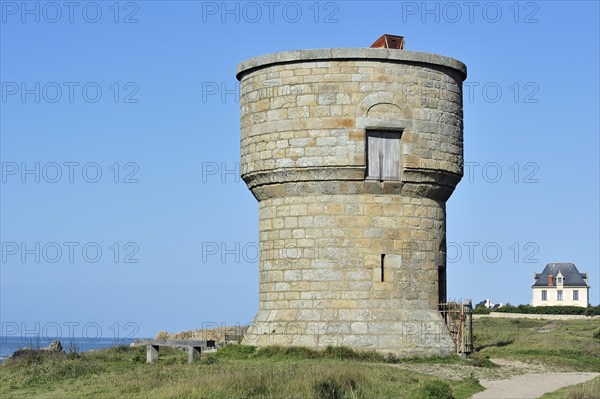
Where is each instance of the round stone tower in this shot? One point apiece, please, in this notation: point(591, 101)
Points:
point(352, 155)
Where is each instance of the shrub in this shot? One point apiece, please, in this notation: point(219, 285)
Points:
point(391, 358)
point(236, 351)
point(335, 387)
point(587, 390)
point(287, 351)
point(596, 334)
point(480, 309)
point(343, 352)
point(479, 360)
point(330, 352)
point(209, 360)
point(593, 311)
point(31, 357)
point(559, 310)
point(340, 352)
point(73, 349)
point(118, 349)
point(138, 358)
point(434, 389)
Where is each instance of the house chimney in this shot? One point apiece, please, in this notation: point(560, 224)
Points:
point(550, 279)
point(389, 41)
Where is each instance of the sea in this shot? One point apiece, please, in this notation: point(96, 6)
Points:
point(9, 344)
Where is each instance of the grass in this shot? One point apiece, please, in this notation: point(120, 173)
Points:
point(236, 371)
point(565, 343)
point(586, 390)
point(239, 371)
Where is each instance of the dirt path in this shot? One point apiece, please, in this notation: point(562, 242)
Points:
point(512, 380)
point(528, 380)
point(507, 370)
point(532, 385)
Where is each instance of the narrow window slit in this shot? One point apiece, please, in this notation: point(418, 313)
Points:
point(382, 261)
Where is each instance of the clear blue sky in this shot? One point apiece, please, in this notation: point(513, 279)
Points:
point(135, 101)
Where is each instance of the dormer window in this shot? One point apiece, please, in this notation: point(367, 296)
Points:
point(559, 280)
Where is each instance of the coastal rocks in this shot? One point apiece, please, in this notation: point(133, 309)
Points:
point(21, 353)
point(218, 334)
point(53, 347)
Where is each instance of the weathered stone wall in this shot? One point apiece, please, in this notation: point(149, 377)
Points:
point(347, 260)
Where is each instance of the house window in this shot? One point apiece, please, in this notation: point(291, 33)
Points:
point(383, 155)
point(544, 295)
point(575, 295)
point(559, 295)
point(559, 280)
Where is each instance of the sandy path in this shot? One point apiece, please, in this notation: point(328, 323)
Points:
point(512, 380)
point(528, 385)
point(507, 370)
point(532, 385)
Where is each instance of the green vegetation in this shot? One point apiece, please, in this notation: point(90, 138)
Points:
point(236, 371)
point(586, 390)
point(480, 360)
point(528, 309)
point(481, 309)
point(565, 343)
point(239, 371)
point(332, 352)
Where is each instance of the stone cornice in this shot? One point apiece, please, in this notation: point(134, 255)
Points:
point(334, 54)
point(434, 184)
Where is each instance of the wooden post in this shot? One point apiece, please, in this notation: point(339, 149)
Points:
point(468, 327)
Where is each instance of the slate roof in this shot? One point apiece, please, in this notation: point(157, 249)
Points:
point(571, 275)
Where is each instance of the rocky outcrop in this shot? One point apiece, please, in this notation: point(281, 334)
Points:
point(219, 334)
point(53, 347)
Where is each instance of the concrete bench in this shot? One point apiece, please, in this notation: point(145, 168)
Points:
point(194, 347)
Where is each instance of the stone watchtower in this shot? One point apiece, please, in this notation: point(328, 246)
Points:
point(352, 155)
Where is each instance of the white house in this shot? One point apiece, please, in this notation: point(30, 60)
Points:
point(489, 304)
point(560, 284)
